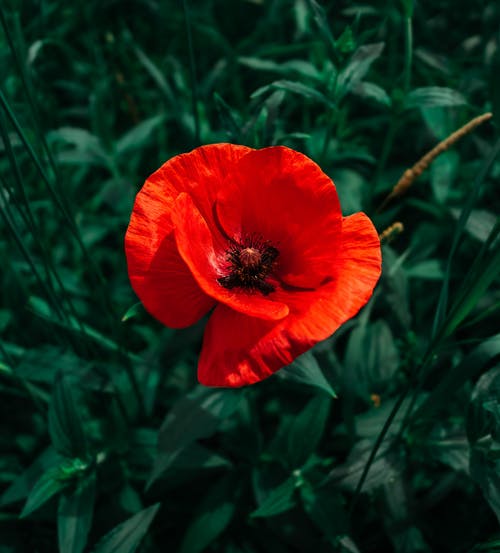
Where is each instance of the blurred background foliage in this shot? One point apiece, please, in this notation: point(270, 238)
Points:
point(386, 437)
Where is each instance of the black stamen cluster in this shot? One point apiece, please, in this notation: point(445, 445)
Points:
point(249, 264)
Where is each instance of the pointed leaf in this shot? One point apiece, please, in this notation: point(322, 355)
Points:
point(194, 417)
point(279, 500)
point(306, 370)
point(74, 516)
point(307, 429)
point(434, 96)
point(46, 487)
point(65, 425)
point(211, 518)
point(125, 537)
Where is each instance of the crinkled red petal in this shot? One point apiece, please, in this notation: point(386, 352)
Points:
point(196, 247)
point(283, 196)
point(158, 274)
point(240, 350)
point(167, 288)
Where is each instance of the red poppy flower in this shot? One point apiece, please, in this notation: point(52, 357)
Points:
point(257, 236)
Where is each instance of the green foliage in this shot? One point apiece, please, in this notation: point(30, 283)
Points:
point(386, 436)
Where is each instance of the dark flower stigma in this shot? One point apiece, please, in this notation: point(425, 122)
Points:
point(250, 262)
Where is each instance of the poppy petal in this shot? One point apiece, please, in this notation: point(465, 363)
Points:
point(166, 286)
point(315, 315)
point(202, 172)
point(295, 206)
point(239, 350)
point(196, 247)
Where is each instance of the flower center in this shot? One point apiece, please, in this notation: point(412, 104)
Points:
point(250, 263)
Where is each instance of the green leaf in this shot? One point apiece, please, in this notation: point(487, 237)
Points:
point(307, 429)
point(278, 500)
point(133, 311)
point(306, 370)
point(479, 224)
point(429, 269)
point(137, 137)
point(194, 417)
point(74, 517)
point(372, 91)
point(430, 96)
point(24, 483)
point(468, 368)
point(443, 173)
point(357, 68)
point(126, 537)
point(296, 88)
point(65, 425)
point(49, 484)
point(386, 465)
point(211, 517)
point(494, 84)
point(325, 507)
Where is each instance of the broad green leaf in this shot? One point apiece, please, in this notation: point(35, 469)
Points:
point(74, 517)
point(229, 118)
point(24, 483)
point(443, 173)
point(306, 370)
point(351, 186)
point(193, 417)
point(296, 88)
point(307, 429)
point(479, 224)
point(126, 537)
point(138, 136)
point(260, 64)
point(278, 500)
point(371, 358)
point(483, 431)
point(357, 68)
point(211, 517)
point(65, 425)
point(440, 121)
point(429, 269)
point(326, 509)
point(385, 466)
point(430, 96)
point(372, 91)
point(49, 484)
point(469, 368)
